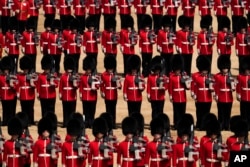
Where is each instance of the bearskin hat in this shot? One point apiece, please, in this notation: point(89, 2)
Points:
point(89, 63)
point(164, 117)
point(15, 126)
point(74, 24)
point(186, 22)
point(242, 23)
point(203, 63)
point(241, 128)
point(129, 21)
point(224, 22)
point(48, 22)
point(177, 62)
point(245, 64)
point(109, 62)
point(45, 124)
point(157, 63)
point(206, 119)
point(7, 63)
point(47, 62)
point(140, 121)
point(206, 22)
point(52, 116)
point(134, 62)
point(109, 120)
point(146, 21)
point(25, 63)
point(56, 24)
point(223, 62)
point(13, 23)
point(74, 127)
point(23, 117)
point(110, 22)
point(99, 126)
point(157, 126)
point(184, 127)
point(80, 118)
point(30, 24)
point(181, 21)
point(166, 21)
point(90, 21)
point(213, 128)
point(129, 126)
point(233, 122)
point(69, 63)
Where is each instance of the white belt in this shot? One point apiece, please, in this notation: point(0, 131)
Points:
point(156, 159)
point(140, 5)
point(242, 44)
point(72, 157)
point(5, 7)
point(165, 43)
point(171, 6)
point(212, 160)
point(205, 7)
point(185, 43)
point(98, 158)
point(107, 4)
point(220, 6)
point(245, 88)
point(45, 43)
point(155, 88)
point(124, 6)
point(205, 43)
point(203, 89)
point(133, 88)
point(86, 88)
point(109, 88)
point(72, 44)
point(128, 159)
point(237, 6)
point(45, 85)
point(25, 87)
point(91, 41)
point(183, 159)
point(33, 8)
point(145, 43)
point(13, 44)
point(128, 44)
point(223, 43)
point(67, 88)
point(155, 6)
point(225, 90)
point(111, 43)
point(93, 5)
point(44, 155)
point(188, 7)
point(79, 6)
point(178, 89)
point(30, 43)
point(5, 88)
point(53, 44)
point(63, 6)
point(48, 5)
point(14, 156)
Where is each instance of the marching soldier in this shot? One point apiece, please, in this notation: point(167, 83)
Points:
point(128, 40)
point(34, 11)
point(6, 11)
point(165, 42)
point(140, 10)
point(110, 83)
point(157, 84)
point(157, 12)
point(124, 7)
point(12, 155)
point(65, 32)
point(89, 83)
point(26, 87)
point(47, 83)
point(147, 38)
point(202, 88)
point(233, 128)
point(44, 37)
point(56, 44)
point(172, 11)
point(109, 10)
point(94, 10)
point(238, 8)
point(49, 9)
point(64, 7)
point(242, 41)
point(8, 83)
point(224, 38)
point(134, 85)
point(188, 8)
point(30, 41)
point(79, 7)
point(67, 89)
point(110, 38)
point(220, 11)
point(224, 85)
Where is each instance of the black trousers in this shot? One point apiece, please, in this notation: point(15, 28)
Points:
point(89, 109)
point(157, 107)
point(167, 60)
point(146, 59)
point(139, 21)
point(224, 114)
point(179, 111)
point(76, 58)
point(157, 22)
point(202, 108)
point(69, 107)
point(187, 62)
point(35, 20)
point(27, 106)
point(81, 20)
point(123, 19)
point(173, 21)
point(21, 26)
point(244, 111)
point(9, 110)
point(125, 63)
point(219, 17)
point(57, 59)
point(235, 22)
point(192, 23)
point(93, 55)
point(64, 20)
point(134, 106)
point(5, 24)
point(105, 16)
point(50, 16)
point(111, 108)
point(240, 58)
point(47, 105)
point(96, 17)
point(15, 61)
point(33, 61)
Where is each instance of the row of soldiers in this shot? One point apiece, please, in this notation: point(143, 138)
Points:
point(135, 150)
point(54, 41)
point(24, 9)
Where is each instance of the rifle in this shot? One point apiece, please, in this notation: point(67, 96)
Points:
point(230, 81)
point(145, 2)
point(97, 4)
point(69, 2)
point(176, 3)
point(97, 36)
point(59, 40)
point(74, 78)
point(78, 39)
point(209, 35)
point(151, 36)
point(193, 2)
point(130, 2)
point(139, 81)
point(81, 144)
point(189, 150)
point(17, 37)
point(217, 147)
point(165, 145)
point(209, 82)
point(36, 38)
point(133, 37)
point(228, 37)
point(51, 75)
point(1, 137)
point(138, 143)
point(31, 77)
point(161, 2)
point(52, 147)
point(93, 80)
point(53, 3)
point(82, 2)
point(115, 37)
point(28, 141)
point(241, 3)
point(191, 37)
point(37, 3)
point(186, 80)
point(247, 38)
point(10, 3)
point(210, 3)
point(117, 80)
point(11, 77)
point(106, 146)
point(225, 3)
point(170, 36)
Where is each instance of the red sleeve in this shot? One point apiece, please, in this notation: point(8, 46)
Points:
point(35, 153)
point(170, 90)
point(149, 84)
point(90, 154)
point(63, 154)
point(147, 155)
point(102, 86)
point(119, 155)
point(238, 86)
point(125, 86)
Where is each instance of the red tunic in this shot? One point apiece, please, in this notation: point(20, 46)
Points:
point(64, 8)
point(72, 47)
point(5, 7)
point(188, 8)
point(204, 9)
point(11, 44)
point(107, 43)
point(243, 87)
point(125, 42)
point(34, 10)
point(67, 92)
point(176, 89)
point(53, 48)
point(79, 7)
point(140, 6)
point(124, 7)
point(86, 93)
point(28, 42)
point(6, 91)
point(156, 7)
point(109, 6)
point(124, 157)
point(172, 7)
point(219, 8)
point(230, 141)
point(222, 47)
point(241, 46)
point(44, 40)
point(21, 9)
point(90, 42)
point(204, 47)
point(24, 90)
point(237, 8)
point(145, 45)
point(182, 42)
point(164, 45)
point(2, 44)
point(12, 155)
point(94, 6)
point(49, 7)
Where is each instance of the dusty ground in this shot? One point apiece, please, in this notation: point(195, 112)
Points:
point(121, 105)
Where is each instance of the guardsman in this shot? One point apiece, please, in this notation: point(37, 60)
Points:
point(34, 11)
point(110, 38)
point(44, 37)
point(134, 85)
point(26, 87)
point(94, 10)
point(147, 38)
point(30, 40)
point(96, 155)
point(13, 40)
point(8, 83)
point(21, 9)
point(233, 127)
point(206, 38)
point(157, 12)
point(242, 41)
point(67, 89)
point(157, 85)
point(126, 151)
point(214, 150)
point(224, 85)
point(224, 38)
point(238, 11)
point(56, 44)
point(65, 32)
point(109, 9)
point(47, 83)
point(89, 83)
point(188, 8)
point(74, 43)
point(185, 40)
point(128, 40)
point(243, 88)
point(140, 10)
point(110, 83)
point(49, 9)
point(64, 7)
point(79, 7)
point(202, 88)
point(6, 12)
point(204, 7)
point(12, 154)
point(91, 39)
point(220, 10)
point(165, 41)
point(124, 7)
point(172, 11)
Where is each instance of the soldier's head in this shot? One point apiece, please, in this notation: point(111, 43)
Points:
point(45, 128)
point(91, 23)
point(13, 24)
point(177, 64)
point(110, 24)
point(157, 64)
point(129, 127)
point(48, 24)
point(56, 25)
point(184, 129)
point(129, 23)
point(203, 64)
point(25, 64)
point(89, 64)
point(245, 66)
point(157, 128)
point(214, 129)
point(241, 130)
point(166, 22)
point(7, 64)
point(74, 24)
point(109, 120)
point(134, 64)
point(30, 25)
point(69, 64)
point(242, 25)
point(15, 128)
point(110, 63)
point(74, 128)
point(224, 24)
point(146, 22)
point(100, 128)
point(47, 63)
point(140, 122)
point(186, 24)
point(224, 64)
point(206, 22)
